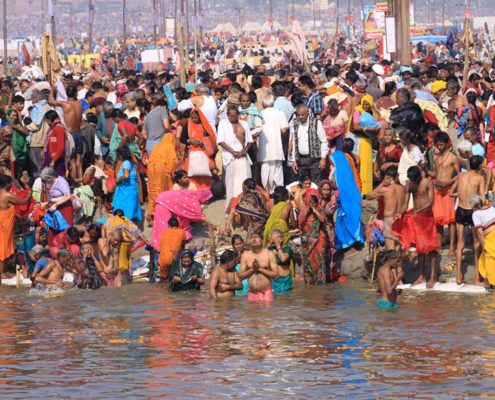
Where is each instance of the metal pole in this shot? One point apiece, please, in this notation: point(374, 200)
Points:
point(443, 16)
point(52, 20)
point(5, 36)
point(90, 25)
point(200, 13)
point(42, 17)
point(271, 14)
point(175, 20)
point(336, 44)
point(124, 24)
point(155, 15)
point(293, 10)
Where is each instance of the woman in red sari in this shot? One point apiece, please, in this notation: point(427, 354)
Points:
point(314, 240)
point(198, 135)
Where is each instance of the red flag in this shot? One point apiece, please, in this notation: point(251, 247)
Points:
point(26, 55)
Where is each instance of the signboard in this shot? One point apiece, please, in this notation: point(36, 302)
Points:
point(374, 23)
point(390, 45)
point(382, 6)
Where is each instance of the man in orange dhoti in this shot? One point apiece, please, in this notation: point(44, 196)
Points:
point(162, 164)
point(8, 201)
point(416, 228)
point(445, 171)
point(171, 242)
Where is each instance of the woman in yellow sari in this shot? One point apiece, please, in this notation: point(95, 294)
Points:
point(364, 125)
point(280, 216)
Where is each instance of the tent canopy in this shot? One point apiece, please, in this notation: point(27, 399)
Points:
point(224, 28)
point(252, 27)
point(276, 26)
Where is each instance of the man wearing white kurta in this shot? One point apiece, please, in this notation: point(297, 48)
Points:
point(235, 139)
point(271, 151)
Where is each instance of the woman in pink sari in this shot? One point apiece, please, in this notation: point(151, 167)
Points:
point(185, 205)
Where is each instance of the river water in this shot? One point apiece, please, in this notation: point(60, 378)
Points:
point(317, 342)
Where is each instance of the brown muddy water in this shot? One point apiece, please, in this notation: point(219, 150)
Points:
point(317, 342)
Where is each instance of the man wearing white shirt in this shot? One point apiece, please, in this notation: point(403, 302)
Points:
point(235, 139)
point(309, 145)
point(270, 151)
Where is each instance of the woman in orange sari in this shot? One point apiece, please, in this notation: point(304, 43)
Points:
point(162, 164)
point(198, 135)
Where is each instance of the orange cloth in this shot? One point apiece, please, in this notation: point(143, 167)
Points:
point(417, 230)
point(355, 171)
point(170, 244)
point(197, 132)
point(443, 207)
point(7, 222)
point(161, 165)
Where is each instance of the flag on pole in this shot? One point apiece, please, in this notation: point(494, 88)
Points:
point(298, 41)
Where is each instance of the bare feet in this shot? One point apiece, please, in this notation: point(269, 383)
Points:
point(451, 253)
point(431, 283)
point(419, 281)
point(460, 279)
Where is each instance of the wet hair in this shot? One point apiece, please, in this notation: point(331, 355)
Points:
point(475, 163)
point(348, 145)
point(333, 103)
point(280, 193)
point(391, 255)
point(441, 137)
point(179, 174)
point(391, 171)
point(249, 183)
point(235, 238)
point(408, 136)
point(73, 233)
point(5, 181)
point(256, 82)
point(227, 256)
point(414, 174)
point(51, 115)
point(257, 234)
point(453, 84)
point(173, 222)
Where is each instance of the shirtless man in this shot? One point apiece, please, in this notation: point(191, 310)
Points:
point(467, 184)
point(108, 267)
point(8, 201)
point(72, 109)
point(393, 196)
point(444, 173)
point(421, 224)
point(260, 267)
point(388, 277)
point(224, 279)
point(53, 273)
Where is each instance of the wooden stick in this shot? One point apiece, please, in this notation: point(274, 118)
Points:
point(374, 265)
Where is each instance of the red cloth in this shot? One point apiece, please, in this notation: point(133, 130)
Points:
point(22, 210)
point(417, 230)
point(56, 143)
point(129, 127)
point(443, 207)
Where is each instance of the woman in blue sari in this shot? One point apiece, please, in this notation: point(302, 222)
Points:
point(348, 226)
point(126, 196)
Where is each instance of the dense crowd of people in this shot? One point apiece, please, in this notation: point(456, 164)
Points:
point(88, 162)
